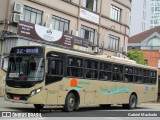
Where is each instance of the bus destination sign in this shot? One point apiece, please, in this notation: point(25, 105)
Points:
point(26, 50)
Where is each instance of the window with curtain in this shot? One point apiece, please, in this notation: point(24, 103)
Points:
point(87, 33)
point(60, 24)
point(90, 4)
point(113, 43)
point(115, 13)
point(32, 15)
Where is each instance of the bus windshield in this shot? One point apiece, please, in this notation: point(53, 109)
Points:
point(25, 68)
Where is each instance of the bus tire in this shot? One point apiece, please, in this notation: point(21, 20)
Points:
point(132, 102)
point(69, 103)
point(38, 106)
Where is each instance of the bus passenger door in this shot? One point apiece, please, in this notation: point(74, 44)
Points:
point(53, 78)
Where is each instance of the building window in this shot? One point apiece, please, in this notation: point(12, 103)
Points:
point(90, 4)
point(32, 15)
point(113, 43)
point(60, 24)
point(115, 13)
point(87, 33)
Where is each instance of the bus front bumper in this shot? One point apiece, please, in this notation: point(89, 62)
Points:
point(26, 99)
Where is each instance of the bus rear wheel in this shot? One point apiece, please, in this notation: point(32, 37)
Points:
point(38, 106)
point(69, 103)
point(132, 102)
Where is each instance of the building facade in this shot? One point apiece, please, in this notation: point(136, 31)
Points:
point(149, 43)
point(105, 24)
point(145, 15)
point(155, 14)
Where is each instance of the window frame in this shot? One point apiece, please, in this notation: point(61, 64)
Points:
point(32, 10)
point(91, 32)
point(115, 13)
point(105, 70)
point(118, 72)
point(94, 6)
point(60, 20)
point(114, 42)
point(90, 69)
point(68, 66)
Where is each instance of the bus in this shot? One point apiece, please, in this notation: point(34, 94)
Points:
point(45, 76)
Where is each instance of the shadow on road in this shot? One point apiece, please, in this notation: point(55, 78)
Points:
point(83, 109)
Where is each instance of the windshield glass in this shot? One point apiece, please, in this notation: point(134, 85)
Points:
point(26, 68)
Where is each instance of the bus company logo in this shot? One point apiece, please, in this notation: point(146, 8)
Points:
point(6, 114)
point(74, 84)
point(49, 32)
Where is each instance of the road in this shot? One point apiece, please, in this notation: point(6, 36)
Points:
point(116, 112)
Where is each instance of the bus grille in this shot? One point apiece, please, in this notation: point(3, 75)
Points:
point(19, 96)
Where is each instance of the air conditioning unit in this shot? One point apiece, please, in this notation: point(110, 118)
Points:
point(18, 7)
point(49, 25)
point(73, 32)
point(119, 55)
point(96, 49)
point(17, 17)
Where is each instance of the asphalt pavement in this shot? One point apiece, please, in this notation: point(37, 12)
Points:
point(116, 112)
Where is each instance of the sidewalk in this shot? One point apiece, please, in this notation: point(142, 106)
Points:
point(150, 104)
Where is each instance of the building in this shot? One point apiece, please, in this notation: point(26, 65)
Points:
point(145, 15)
point(104, 23)
point(155, 13)
point(139, 16)
point(149, 43)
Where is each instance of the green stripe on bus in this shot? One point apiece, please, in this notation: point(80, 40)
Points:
point(117, 91)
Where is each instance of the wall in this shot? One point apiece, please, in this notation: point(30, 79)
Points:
point(152, 56)
point(2, 83)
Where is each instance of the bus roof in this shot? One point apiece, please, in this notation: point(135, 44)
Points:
point(99, 57)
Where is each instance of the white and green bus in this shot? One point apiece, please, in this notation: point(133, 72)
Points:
point(45, 76)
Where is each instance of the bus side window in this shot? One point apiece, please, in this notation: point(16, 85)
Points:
point(70, 62)
point(75, 67)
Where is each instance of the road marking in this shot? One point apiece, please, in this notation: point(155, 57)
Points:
point(111, 118)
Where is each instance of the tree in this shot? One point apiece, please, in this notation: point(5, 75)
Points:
point(137, 56)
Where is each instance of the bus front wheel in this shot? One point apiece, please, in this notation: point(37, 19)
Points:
point(69, 103)
point(38, 106)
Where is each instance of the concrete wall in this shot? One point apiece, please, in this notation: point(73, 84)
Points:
point(2, 9)
point(152, 56)
point(2, 83)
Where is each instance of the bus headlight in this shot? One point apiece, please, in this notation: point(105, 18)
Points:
point(34, 92)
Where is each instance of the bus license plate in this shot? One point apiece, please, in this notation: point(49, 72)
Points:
point(16, 98)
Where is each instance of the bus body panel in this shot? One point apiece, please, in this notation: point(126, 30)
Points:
point(91, 91)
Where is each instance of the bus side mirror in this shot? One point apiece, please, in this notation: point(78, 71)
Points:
point(4, 64)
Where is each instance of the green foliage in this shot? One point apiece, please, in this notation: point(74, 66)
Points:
point(137, 56)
